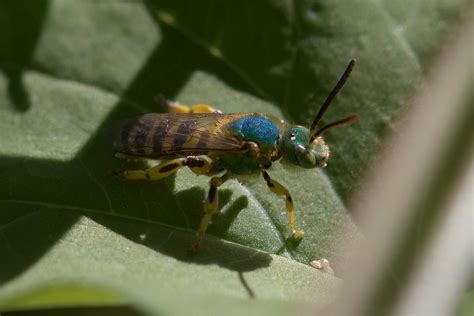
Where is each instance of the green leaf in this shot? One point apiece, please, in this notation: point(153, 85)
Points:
point(71, 235)
point(90, 264)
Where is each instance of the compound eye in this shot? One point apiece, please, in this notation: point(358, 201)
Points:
point(293, 135)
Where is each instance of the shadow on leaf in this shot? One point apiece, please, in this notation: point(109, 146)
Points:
point(177, 243)
point(24, 240)
point(16, 55)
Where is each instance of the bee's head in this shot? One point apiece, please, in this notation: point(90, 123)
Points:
point(305, 147)
point(298, 150)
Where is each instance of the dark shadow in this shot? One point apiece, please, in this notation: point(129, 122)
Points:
point(290, 243)
point(16, 89)
point(177, 243)
point(17, 52)
point(222, 220)
point(249, 290)
point(79, 311)
point(20, 250)
point(170, 66)
point(192, 201)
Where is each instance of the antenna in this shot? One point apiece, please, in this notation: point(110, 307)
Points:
point(344, 121)
point(329, 99)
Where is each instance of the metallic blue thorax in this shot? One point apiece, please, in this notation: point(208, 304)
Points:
point(258, 129)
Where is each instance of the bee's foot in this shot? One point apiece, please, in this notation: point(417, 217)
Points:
point(297, 234)
point(195, 248)
point(197, 244)
point(295, 238)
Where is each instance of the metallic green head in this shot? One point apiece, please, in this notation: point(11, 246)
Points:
point(305, 147)
point(298, 150)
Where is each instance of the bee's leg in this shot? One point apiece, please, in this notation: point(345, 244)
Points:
point(203, 108)
point(210, 207)
point(196, 164)
point(279, 189)
point(176, 107)
point(154, 173)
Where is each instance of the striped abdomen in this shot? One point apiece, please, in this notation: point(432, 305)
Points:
point(156, 134)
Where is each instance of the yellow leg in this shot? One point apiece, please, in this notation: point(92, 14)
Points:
point(176, 107)
point(279, 189)
point(203, 108)
point(196, 164)
point(211, 206)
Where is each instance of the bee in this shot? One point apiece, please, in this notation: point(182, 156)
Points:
point(224, 146)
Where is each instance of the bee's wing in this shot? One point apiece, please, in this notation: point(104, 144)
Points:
point(164, 134)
